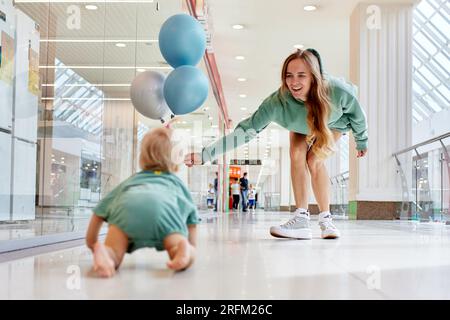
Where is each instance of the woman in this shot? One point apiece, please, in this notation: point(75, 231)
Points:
point(316, 109)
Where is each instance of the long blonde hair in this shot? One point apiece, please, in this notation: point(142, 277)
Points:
point(156, 151)
point(318, 103)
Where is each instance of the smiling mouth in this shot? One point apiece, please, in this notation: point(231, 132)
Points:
point(296, 90)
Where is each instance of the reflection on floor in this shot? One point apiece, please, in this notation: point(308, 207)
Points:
point(42, 226)
point(238, 259)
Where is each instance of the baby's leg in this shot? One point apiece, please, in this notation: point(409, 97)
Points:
point(108, 256)
point(180, 251)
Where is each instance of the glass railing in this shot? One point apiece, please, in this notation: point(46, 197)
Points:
point(424, 175)
point(339, 195)
point(272, 201)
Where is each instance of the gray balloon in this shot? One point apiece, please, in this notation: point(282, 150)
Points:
point(147, 94)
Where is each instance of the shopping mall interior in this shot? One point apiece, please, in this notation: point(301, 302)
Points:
point(70, 134)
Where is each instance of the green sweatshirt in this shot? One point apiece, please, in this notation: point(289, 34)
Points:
point(346, 114)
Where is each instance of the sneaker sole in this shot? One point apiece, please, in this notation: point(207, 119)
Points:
point(330, 236)
point(293, 235)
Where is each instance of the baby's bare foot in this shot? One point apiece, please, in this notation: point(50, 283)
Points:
point(182, 257)
point(103, 263)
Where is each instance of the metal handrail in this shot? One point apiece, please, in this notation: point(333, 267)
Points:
point(439, 138)
point(406, 202)
point(339, 175)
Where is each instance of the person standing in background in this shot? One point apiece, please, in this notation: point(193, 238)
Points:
point(235, 192)
point(210, 197)
point(216, 184)
point(251, 198)
point(244, 191)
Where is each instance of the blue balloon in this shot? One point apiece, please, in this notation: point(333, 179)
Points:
point(185, 89)
point(182, 40)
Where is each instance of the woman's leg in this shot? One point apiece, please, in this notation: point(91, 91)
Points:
point(108, 256)
point(299, 170)
point(180, 251)
point(319, 178)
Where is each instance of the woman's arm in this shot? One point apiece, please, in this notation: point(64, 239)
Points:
point(93, 230)
point(345, 95)
point(358, 122)
point(244, 132)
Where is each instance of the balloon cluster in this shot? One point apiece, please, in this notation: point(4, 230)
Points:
point(182, 42)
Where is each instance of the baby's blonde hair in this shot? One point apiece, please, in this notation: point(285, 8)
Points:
point(156, 151)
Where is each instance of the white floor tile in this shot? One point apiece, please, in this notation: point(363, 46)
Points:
point(238, 259)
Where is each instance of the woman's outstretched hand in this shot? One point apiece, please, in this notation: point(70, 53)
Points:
point(361, 153)
point(193, 159)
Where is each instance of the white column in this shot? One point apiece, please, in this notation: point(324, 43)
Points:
point(381, 66)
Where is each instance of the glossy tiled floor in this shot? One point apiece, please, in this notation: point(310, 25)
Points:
point(238, 259)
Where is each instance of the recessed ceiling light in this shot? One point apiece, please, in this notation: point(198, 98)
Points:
point(91, 7)
point(121, 45)
point(238, 26)
point(241, 79)
point(243, 95)
point(298, 46)
point(140, 70)
point(309, 8)
point(243, 108)
point(239, 57)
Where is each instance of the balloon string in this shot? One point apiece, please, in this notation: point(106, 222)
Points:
point(169, 123)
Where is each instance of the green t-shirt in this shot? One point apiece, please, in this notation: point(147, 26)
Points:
point(148, 206)
point(346, 114)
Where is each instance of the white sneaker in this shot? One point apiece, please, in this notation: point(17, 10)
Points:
point(296, 228)
point(329, 230)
